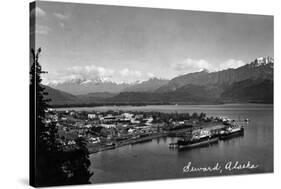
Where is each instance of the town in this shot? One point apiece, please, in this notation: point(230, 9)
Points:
point(112, 129)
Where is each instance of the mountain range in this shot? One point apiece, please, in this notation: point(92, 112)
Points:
point(252, 82)
point(77, 87)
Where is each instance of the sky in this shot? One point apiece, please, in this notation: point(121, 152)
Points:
point(128, 44)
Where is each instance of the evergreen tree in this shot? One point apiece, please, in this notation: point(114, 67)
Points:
point(195, 115)
point(40, 105)
point(47, 167)
point(79, 163)
point(50, 163)
point(202, 116)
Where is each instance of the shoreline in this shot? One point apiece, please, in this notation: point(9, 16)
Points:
point(128, 142)
point(120, 106)
point(176, 133)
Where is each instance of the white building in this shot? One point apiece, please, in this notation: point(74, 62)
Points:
point(107, 126)
point(94, 140)
point(131, 131)
point(127, 115)
point(92, 116)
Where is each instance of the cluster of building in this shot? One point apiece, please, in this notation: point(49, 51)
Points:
point(102, 129)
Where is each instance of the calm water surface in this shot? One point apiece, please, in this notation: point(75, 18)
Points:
point(154, 159)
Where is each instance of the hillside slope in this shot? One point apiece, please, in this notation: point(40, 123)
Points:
point(59, 97)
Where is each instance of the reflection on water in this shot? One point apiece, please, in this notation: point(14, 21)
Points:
point(155, 160)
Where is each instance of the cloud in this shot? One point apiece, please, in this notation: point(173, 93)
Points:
point(61, 24)
point(189, 65)
point(61, 16)
point(42, 29)
point(133, 76)
point(38, 12)
point(150, 75)
point(231, 63)
point(82, 74)
point(92, 73)
point(130, 73)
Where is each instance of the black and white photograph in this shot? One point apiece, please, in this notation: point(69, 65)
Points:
point(124, 94)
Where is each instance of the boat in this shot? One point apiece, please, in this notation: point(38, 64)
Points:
point(231, 131)
point(199, 138)
point(197, 143)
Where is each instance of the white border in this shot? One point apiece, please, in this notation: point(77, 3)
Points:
point(14, 92)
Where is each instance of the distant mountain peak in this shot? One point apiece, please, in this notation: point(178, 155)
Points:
point(85, 82)
point(156, 79)
point(261, 61)
point(260, 68)
point(204, 70)
point(149, 85)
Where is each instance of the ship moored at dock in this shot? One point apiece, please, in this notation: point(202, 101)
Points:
point(200, 137)
point(207, 136)
point(231, 131)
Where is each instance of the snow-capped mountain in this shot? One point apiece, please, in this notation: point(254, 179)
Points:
point(252, 82)
point(260, 68)
point(78, 87)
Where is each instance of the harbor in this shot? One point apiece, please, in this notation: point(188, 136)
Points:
point(201, 137)
point(116, 128)
point(211, 135)
point(165, 162)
